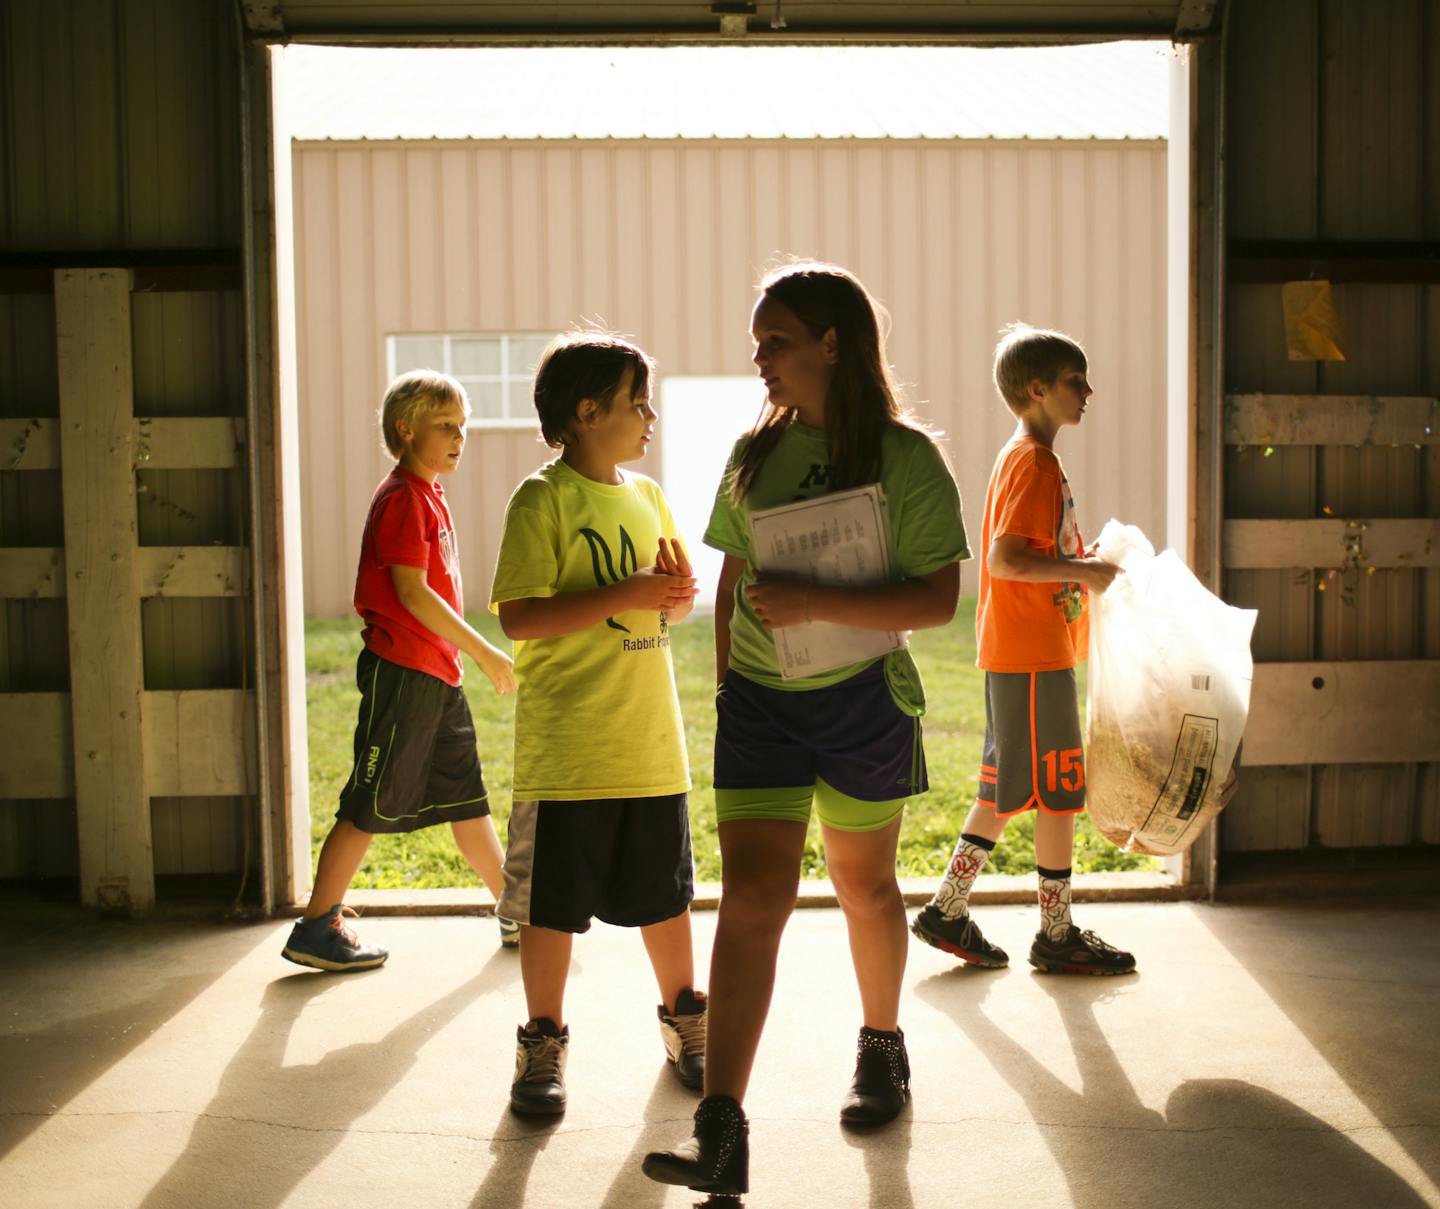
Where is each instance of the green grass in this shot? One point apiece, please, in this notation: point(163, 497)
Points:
point(954, 728)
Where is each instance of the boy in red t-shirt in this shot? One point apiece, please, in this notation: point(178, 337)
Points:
point(1031, 627)
point(415, 758)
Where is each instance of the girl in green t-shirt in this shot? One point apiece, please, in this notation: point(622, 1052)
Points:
point(846, 739)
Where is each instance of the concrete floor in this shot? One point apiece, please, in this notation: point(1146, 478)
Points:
point(1263, 1056)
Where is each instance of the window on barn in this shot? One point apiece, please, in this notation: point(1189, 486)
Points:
point(497, 370)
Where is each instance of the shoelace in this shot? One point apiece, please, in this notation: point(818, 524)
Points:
point(542, 1059)
point(1094, 943)
point(692, 1032)
point(337, 924)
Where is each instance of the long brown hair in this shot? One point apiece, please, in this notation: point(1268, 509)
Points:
point(864, 398)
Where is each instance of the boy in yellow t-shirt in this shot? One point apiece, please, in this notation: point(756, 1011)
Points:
point(1031, 628)
point(599, 826)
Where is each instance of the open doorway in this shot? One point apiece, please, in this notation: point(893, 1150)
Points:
point(431, 222)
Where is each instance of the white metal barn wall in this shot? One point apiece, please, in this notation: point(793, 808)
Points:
point(1332, 469)
point(665, 239)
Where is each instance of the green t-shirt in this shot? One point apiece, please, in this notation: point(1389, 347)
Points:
point(927, 532)
point(596, 712)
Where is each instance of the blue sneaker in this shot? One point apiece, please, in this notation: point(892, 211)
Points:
point(327, 944)
point(509, 932)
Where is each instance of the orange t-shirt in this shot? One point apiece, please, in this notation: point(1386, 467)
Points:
point(1030, 627)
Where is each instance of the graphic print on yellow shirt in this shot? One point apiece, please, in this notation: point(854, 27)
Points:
point(596, 712)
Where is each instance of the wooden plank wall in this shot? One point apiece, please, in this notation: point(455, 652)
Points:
point(121, 138)
point(1332, 469)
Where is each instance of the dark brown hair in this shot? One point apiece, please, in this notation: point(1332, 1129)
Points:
point(864, 398)
point(584, 365)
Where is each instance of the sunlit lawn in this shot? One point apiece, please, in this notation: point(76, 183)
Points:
point(954, 727)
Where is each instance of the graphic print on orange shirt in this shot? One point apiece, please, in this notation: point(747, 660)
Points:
point(1030, 627)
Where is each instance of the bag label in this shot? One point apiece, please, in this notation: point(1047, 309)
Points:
point(1184, 789)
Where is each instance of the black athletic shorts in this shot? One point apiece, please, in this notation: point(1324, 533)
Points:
point(415, 758)
point(624, 861)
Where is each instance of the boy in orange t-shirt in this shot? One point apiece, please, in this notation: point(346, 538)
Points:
point(1031, 626)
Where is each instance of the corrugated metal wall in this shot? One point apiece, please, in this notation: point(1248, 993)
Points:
point(1349, 149)
point(665, 240)
point(120, 133)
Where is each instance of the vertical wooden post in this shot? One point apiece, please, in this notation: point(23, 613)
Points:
point(274, 458)
point(97, 427)
point(1207, 349)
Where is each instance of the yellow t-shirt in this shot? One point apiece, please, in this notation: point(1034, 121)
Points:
point(596, 712)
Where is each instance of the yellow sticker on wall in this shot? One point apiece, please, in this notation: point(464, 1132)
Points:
point(1312, 328)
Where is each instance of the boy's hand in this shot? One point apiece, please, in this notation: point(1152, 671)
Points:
point(779, 603)
point(658, 590)
point(672, 560)
point(498, 667)
point(1097, 575)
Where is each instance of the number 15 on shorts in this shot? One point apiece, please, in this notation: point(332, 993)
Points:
point(1064, 770)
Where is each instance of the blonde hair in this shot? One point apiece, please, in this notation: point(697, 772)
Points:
point(1026, 354)
point(413, 395)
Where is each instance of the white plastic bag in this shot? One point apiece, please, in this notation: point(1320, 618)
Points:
point(1169, 692)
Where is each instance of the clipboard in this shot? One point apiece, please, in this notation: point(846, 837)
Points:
point(841, 539)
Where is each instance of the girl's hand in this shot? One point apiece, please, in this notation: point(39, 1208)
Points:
point(499, 668)
point(779, 603)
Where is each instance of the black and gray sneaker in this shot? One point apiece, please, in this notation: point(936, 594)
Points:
point(881, 1087)
point(684, 1035)
point(327, 944)
point(959, 937)
point(538, 1089)
point(1078, 953)
point(716, 1159)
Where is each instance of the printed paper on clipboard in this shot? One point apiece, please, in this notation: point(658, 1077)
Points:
point(843, 539)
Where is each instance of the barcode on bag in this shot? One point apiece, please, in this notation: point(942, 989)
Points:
point(1200, 682)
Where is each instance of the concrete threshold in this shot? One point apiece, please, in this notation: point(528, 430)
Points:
point(989, 888)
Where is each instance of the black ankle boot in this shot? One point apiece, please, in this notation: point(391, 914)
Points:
point(716, 1159)
point(881, 1086)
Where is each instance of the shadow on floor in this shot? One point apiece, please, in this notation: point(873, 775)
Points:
point(886, 1150)
point(45, 1069)
point(269, 1125)
point(1371, 1029)
point(1219, 1141)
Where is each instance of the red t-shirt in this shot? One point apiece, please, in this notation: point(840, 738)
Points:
point(1030, 627)
point(409, 525)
